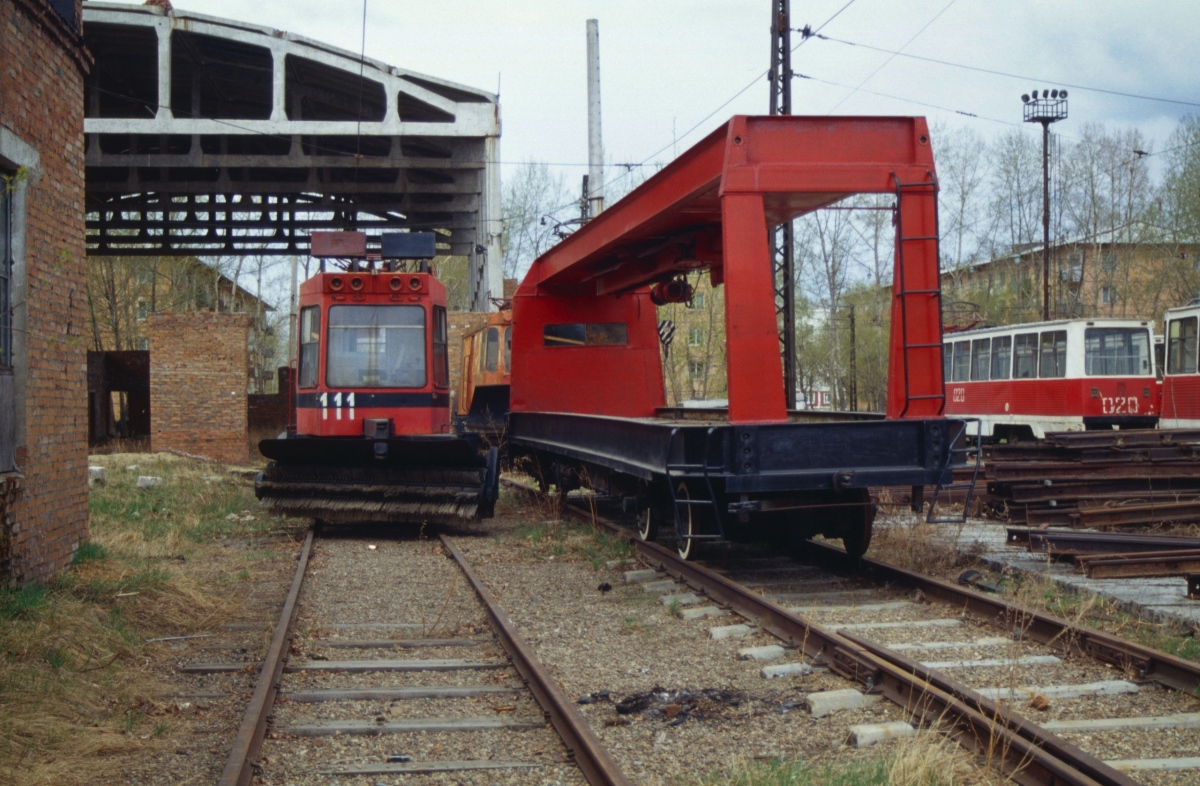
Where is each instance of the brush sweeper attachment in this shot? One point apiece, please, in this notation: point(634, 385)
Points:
point(436, 479)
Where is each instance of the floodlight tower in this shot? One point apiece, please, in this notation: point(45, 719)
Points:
point(1049, 108)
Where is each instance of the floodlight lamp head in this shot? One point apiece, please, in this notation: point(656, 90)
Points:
point(1054, 94)
point(1034, 94)
point(1062, 93)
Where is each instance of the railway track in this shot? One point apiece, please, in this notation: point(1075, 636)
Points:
point(1049, 702)
point(350, 690)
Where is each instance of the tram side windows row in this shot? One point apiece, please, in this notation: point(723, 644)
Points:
point(984, 359)
point(1182, 346)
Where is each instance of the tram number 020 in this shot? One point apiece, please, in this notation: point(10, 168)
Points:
point(1119, 405)
point(324, 400)
point(958, 395)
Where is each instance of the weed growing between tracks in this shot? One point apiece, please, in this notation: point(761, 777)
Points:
point(546, 534)
point(933, 550)
point(1099, 613)
point(925, 760)
point(78, 684)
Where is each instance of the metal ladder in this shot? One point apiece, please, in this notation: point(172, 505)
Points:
point(679, 505)
point(929, 187)
point(966, 452)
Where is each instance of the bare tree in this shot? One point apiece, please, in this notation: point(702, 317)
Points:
point(532, 199)
point(962, 167)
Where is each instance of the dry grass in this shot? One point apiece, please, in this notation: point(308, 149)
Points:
point(927, 759)
point(921, 547)
point(1100, 613)
point(78, 680)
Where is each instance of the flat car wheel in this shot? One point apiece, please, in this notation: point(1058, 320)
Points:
point(647, 520)
point(857, 524)
point(685, 526)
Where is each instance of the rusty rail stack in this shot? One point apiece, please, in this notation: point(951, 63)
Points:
point(1098, 479)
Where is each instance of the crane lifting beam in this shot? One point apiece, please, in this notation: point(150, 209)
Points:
point(710, 210)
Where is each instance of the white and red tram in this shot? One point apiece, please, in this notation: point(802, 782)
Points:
point(1022, 381)
point(1181, 379)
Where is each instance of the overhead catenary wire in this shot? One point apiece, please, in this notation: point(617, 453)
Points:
point(727, 102)
point(995, 72)
point(893, 56)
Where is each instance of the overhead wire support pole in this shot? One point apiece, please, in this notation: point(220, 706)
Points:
point(782, 253)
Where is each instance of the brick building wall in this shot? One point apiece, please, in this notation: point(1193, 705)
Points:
point(199, 372)
point(44, 514)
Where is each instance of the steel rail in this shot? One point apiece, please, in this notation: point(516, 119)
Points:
point(1029, 755)
point(239, 767)
point(583, 745)
point(1047, 629)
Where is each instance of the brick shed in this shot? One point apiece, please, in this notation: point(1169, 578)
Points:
point(43, 316)
point(199, 374)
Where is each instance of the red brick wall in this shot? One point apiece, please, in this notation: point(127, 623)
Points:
point(45, 514)
point(199, 372)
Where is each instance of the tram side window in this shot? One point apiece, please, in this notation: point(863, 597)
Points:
point(492, 355)
point(1054, 354)
point(1025, 352)
point(1181, 346)
point(962, 361)
point(508, 349)
point(1113, 351)
point(946, 352)
point(441, 363)
point(310, 337)
point(981, 356)
point(1001, 357)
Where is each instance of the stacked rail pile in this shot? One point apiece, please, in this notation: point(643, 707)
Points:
point(1118, 555)
point(1098, 479)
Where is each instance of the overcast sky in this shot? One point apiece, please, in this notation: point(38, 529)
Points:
point(667, 64)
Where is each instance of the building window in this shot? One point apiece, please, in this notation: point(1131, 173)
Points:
point(142, 309)
point(1106, 295)
point(697, 301)
point(1108, 261)
point(695, 337)
point(696, 369)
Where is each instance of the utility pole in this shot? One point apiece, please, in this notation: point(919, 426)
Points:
point(782, 254)
point(853, 365)
point(595, 142)
point(1050, 108)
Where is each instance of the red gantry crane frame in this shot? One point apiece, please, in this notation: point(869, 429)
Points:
point(711, 209)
